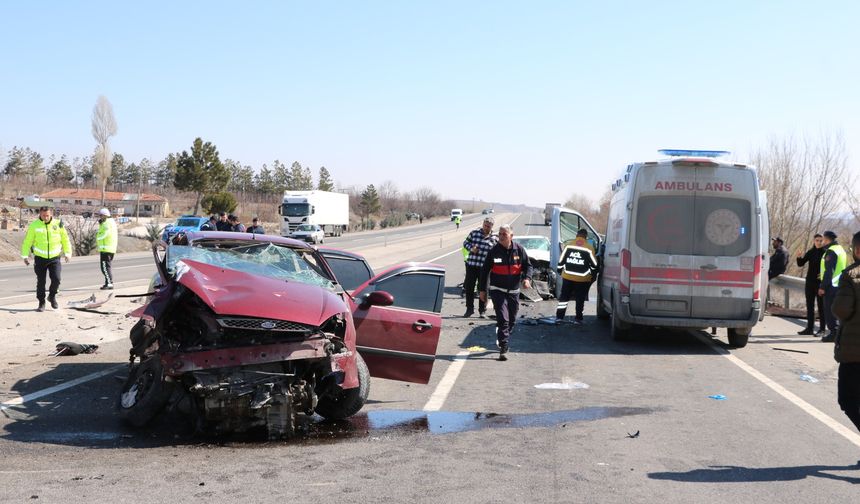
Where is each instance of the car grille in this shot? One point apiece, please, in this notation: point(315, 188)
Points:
point(257, 324)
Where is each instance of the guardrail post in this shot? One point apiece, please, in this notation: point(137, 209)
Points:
point(787, 294)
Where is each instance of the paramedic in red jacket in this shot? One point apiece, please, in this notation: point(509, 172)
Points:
point(507, 265)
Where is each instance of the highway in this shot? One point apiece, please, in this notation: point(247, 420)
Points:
point(573, 416)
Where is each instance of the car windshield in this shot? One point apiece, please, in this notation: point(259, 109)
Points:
point(264, 259)
point(189, 222)
point(533, 243)
point(305, 227)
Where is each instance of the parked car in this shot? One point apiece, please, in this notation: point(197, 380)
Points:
point(487, 211)
point(183, 224)
point(249, 331)
point(544, 276)
point(309, 232)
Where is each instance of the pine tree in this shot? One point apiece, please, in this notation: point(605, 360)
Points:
point(325, 181)
point(201, 171)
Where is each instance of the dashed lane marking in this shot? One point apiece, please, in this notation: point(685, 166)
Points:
point(446, 383)
point(17, 401)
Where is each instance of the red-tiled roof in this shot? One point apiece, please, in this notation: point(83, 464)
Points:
point(96, 194)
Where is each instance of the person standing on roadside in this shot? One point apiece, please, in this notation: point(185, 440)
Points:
point(457, 221)
point(106, 239)
point(578, 267)
point(223, 224)
point(48, 240)
point(778, 260)
point(813, 257)
point(256, 227)
point(846, 306)
point(478, 243)
point(506, 267)
point(833, 262)
point(210, 225)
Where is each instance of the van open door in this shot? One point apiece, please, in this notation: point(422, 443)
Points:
point(564, 225)
point(764, 251)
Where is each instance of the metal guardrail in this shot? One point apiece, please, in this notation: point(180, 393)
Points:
point(788, 284)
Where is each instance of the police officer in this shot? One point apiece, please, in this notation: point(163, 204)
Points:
point(457, 221)
point(48, 240)
point(106, 240)
point(210, 225)
point(506, 266)
point(813, 257)
point(578, 266)
point(832, 264)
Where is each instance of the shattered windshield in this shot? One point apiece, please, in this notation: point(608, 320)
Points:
point(264, 259)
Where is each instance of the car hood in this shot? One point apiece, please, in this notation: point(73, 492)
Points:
point(231, 292)
point(540, 255)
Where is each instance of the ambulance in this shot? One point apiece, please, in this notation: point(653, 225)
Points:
point(685, 246)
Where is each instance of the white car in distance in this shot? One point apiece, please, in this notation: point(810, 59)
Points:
point(309, 233)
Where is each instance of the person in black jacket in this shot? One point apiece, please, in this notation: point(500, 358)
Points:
point(778, 260)
point(506, 266)
point(813, 257)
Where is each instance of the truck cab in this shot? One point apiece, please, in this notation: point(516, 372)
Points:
point(456, 212)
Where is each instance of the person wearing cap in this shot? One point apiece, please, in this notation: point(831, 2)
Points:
point(833, 263)
point(578, 267)
point(256, 227)
point(778, 260)
point(846, 306)
point(210, 225)
point(478, 243)
point(223, 224)
point(48, 240)
point(813, 258)
point(106, 240)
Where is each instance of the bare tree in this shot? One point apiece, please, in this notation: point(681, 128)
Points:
point(805, 181)
point(389, 196)
point(103, 127)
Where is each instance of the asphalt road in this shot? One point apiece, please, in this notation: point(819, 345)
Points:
point(479, 432)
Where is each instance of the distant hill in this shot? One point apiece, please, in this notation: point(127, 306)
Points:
point(470, 206)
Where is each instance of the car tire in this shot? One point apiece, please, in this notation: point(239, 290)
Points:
point(739, 336)
point(346, 402)
point(144, 393)
point(620, 330)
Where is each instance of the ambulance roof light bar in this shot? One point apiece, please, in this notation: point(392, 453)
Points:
point(693, 153)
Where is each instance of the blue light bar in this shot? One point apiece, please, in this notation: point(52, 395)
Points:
point(695, 153)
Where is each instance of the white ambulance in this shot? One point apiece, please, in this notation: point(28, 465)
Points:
point(686, 246)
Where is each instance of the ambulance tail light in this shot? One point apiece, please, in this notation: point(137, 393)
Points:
point(757, 278)
point(624, 281)
point(694, 162)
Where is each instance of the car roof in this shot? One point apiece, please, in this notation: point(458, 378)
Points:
point(249, 237)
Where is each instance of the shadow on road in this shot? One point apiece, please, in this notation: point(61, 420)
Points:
point(740, 474)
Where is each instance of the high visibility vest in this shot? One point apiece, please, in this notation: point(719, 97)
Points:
point(47, 240)
point(107, 236)
point(841, 263)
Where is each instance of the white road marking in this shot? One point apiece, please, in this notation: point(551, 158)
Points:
point(443, 255)
point(779, 389)
point(446, 383)
point(137, 266)
point(17, 401)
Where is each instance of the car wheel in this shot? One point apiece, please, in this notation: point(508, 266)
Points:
point(619, 329)
point(346, 402)
point(739, 336)
point(144, 393)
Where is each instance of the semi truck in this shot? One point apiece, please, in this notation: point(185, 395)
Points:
point(328, 210)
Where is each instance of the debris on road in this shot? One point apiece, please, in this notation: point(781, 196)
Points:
point(88, 303)
point(808, 378)
point(634, 435)
point(562, 386)
point(790, 350)
point(82, 328)
point(476, 349)
point(718, 397)
point(72, 348)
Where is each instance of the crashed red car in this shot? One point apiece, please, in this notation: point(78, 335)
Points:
point(250, 330)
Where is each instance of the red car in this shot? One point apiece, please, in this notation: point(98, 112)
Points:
point(253, 331)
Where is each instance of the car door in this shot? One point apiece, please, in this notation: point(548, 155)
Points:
point(564, 225)
point(350, 270)
point(398, 340)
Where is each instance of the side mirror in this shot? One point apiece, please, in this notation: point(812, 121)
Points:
point(378, 298)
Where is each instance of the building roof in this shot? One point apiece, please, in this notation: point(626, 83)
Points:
point(96, 194)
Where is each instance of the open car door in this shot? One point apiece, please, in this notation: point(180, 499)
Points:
point(397, 321)
point(350, 270)
point(564, 225)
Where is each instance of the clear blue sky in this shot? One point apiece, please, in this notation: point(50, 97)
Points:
point(506, 101)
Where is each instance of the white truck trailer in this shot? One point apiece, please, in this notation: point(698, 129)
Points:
point(329, 210)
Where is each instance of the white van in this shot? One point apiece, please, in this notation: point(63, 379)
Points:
point(456, 212)
point(685, 246)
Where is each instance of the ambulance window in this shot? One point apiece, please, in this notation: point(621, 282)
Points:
point(664, 224)
point(722, 226)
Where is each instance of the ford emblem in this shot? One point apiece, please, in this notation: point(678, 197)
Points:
point(268, 325)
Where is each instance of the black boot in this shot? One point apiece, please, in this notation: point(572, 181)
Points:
point(41, 307)
point(806, 332)
point(53, 301)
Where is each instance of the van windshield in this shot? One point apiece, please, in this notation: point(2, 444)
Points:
point(693, 225)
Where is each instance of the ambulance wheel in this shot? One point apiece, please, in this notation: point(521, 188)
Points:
point(602, 314)
point(619, 329)
point(739, 336)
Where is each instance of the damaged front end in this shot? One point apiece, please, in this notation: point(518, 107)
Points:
point(543, 278)
point(232, 357)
